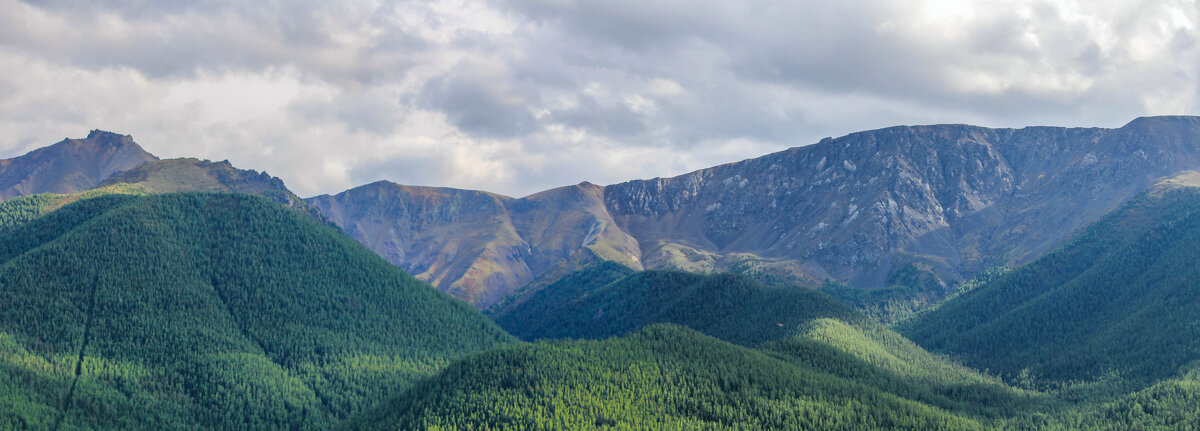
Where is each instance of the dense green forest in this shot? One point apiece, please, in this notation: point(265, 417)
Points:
point(229, 311)
point(19, 210)
point(609, 299)
point(662, 377)
point(912, 290)
point(207, 311)
point(669, 377)
point(1119, 302)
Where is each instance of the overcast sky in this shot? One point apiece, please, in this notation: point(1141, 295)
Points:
point(519, 96)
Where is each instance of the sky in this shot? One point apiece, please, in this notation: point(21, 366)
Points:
point(518, 96)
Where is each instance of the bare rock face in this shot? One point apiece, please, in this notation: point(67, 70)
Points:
point(956, 198)
point(475, 245)
point(959, 197)
point(70, 166)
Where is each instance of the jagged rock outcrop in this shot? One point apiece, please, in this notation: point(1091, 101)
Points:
point(956, 198)
point(70, 166)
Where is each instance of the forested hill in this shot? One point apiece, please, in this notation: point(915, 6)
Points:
point(1118, 301)
point(608, 299)
point(671, 378)
point(197, 310)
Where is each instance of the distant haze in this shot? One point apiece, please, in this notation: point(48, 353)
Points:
point(518, 96)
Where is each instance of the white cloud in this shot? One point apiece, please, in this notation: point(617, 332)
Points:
point(516, 96)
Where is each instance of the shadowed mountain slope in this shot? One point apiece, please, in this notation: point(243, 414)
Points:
point(607, 299)
point(1119, 299)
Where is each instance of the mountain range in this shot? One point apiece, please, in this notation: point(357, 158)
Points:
point(868, 210)
point(948, 200)
point(185, 293)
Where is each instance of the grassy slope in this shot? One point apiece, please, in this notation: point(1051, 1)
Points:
point(209, 310)
point(1120, 298)
point(23, 209)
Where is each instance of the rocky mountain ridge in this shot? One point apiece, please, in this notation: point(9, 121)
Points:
point(868, 209)
point(194, 175)
point(960, 197)
point(951, 200)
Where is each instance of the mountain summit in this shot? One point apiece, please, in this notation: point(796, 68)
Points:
point(70, 166)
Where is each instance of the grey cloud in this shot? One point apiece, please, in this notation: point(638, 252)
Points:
point(406, 170)
point(836, 47)
point(376, 112)
point(562, 77)
point(479, 104)
point(179, 39)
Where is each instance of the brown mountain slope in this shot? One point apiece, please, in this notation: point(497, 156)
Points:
point(70, 166)
point(479, 246)
point(950, 200)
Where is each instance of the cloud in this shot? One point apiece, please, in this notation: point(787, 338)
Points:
point(476, 98)
point(515, 96)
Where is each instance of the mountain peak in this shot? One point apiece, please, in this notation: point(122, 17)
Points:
point(105, 139)
point(72, 165)
point(102, 134)
point(1150, 122)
